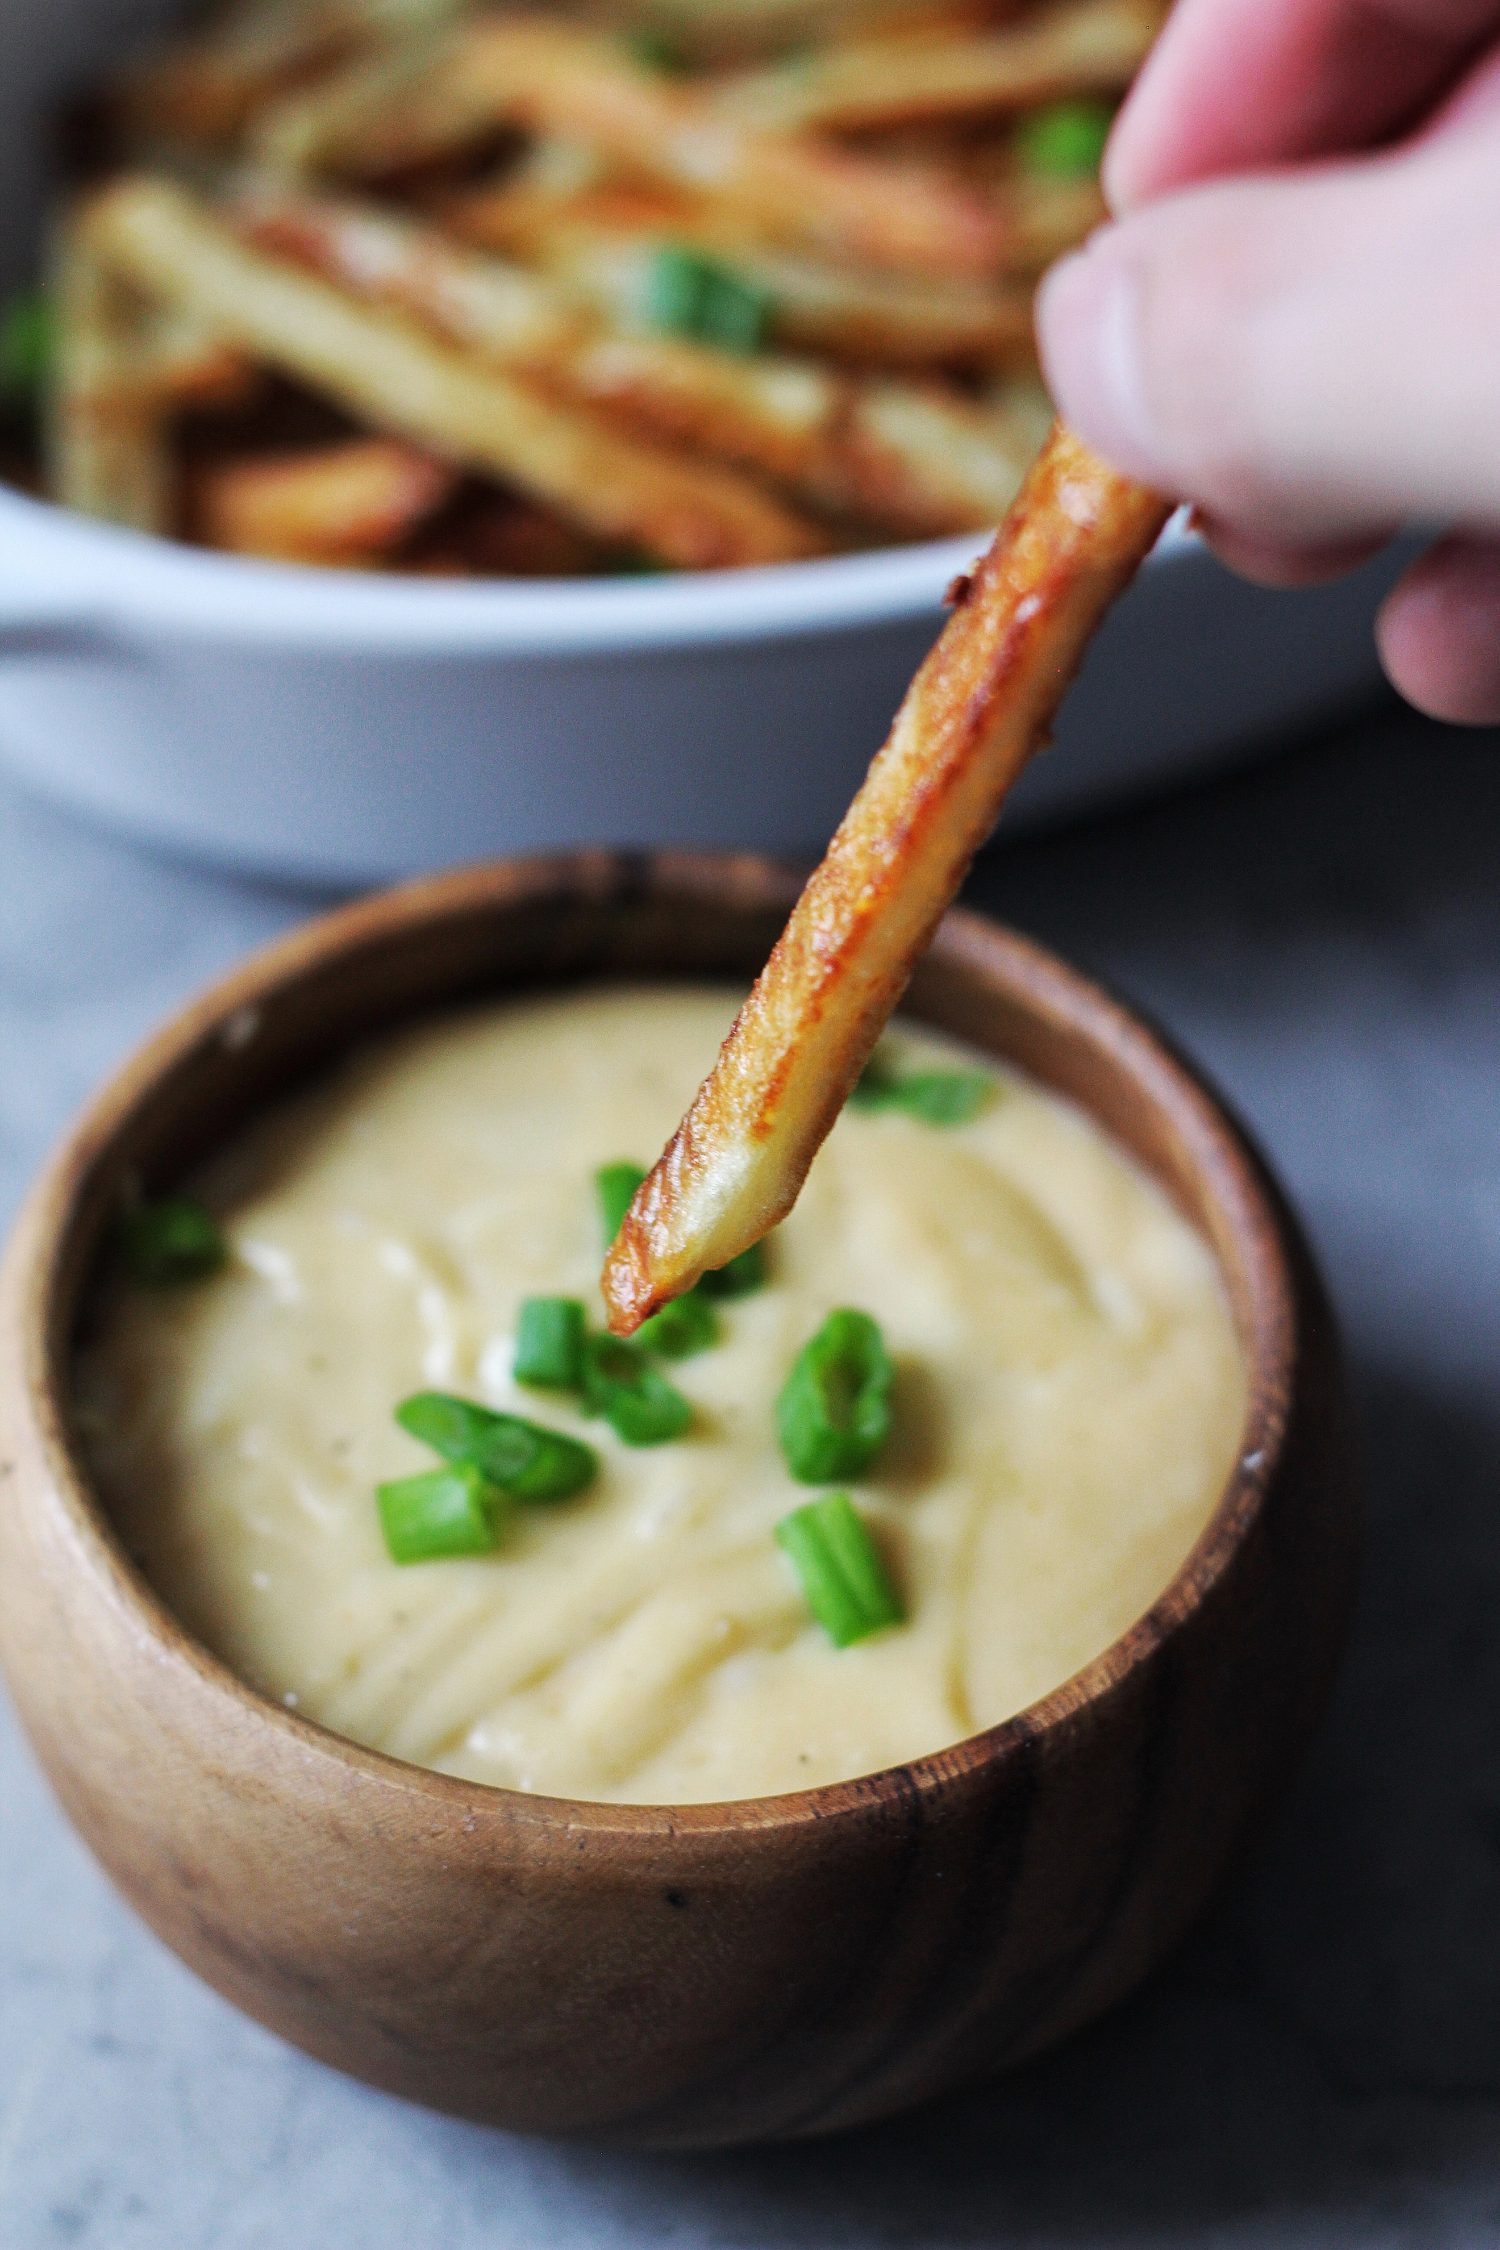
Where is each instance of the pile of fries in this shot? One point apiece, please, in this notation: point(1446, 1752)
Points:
point(431, 286)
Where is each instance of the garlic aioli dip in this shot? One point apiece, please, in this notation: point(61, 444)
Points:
point(1068, 1402)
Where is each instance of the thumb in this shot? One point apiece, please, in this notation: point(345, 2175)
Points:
point(1309, 355)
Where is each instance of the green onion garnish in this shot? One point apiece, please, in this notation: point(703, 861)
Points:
point(521, 1458)
point(690, 295)
point(615, 1186)
point(741, 1277)
point(631, 562)
point(834, 1412)
point(1066, 139)
point(169, 1241)
point(847, 1586)
point(28, 342)
point(549, 1343)
point(442, 1512)
point(934, 1097)
point(656, 48)
point(688, 1324)
point(634, 1397)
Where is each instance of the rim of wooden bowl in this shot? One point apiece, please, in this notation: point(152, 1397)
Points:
point(55, 1243)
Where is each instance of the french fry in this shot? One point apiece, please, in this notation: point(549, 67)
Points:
point(320, 126)
point(979, 707)
point(346, 504)
point(108, 424)
point(383, 370)
point(602, 245)
point(549, 77)
point(916, 459)
point(728, 31)
point(909, 459)
point(1090, 47)
point(190, 365)
point(202, 92)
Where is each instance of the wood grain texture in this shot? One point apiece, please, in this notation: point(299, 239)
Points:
point(669, 1976)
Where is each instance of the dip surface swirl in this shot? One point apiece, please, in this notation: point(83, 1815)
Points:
point(1068, 1401)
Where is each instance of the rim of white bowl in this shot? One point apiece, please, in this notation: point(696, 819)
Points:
point(63, 572)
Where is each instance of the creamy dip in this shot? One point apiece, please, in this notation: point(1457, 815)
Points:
point(1068, 1400)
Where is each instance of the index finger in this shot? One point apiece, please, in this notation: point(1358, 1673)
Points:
point(1237, 85)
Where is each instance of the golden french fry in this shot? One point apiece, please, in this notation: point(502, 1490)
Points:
point(191, 365)
point(107, 434)
point(1091, 47)
point(337, 122)
point(926, 462)
point(550, 77)
point(980, 705)
point(726, 31)
point(387, 372)
point(912, 459)
point(601, 246)
point(344, 503)
point(202, 92)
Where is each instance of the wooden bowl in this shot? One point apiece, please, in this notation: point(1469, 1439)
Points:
point(676, 1977)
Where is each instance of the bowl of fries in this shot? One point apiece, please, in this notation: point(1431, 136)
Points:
point(442, 426)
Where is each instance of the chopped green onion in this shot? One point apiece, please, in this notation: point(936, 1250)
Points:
point(634, 1397)
point(615, 1186)
point(28, 342)
point(690, 295)
point(875, 1086)
point(933, 1097)
point(521, 1458)
point(442, 1512)
point(169, 1241)
point(847, 1586)
point(688, 1324)
point(631, 562)
point(549, 1343)
point(741, 1277)
point(944, 1097)
point(1066, 139)
point(834, 1412)
point(656, 48)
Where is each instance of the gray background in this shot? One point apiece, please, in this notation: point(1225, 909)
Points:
point(1322, 2063)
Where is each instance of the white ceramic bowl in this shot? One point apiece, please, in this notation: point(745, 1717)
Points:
point(335, 726)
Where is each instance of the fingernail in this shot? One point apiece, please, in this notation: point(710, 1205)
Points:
point(1089, 329)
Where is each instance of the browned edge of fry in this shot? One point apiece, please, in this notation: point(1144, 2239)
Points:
point(980, 705)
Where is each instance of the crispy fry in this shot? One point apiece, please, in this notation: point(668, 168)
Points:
point(107, 428)
point(383, 369)
point(931, 463)
point(978, 708)
point(913, 460)
point(600, 246)
point(202, 92)
point(349, 503)
point(319, 126)
point(1092, 46)
point(723, 31)
point(191, 365)
point(551, 77)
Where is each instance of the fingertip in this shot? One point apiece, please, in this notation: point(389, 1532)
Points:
point(1438, 632)
point(1284, 563)
point(1087, 321)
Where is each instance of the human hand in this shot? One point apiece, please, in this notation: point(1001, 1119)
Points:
point(1295, 320)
